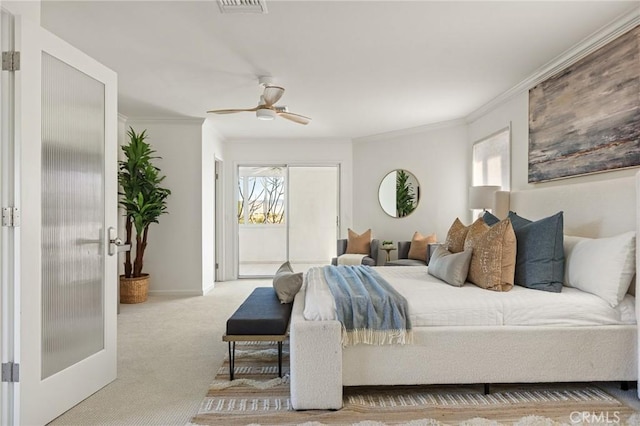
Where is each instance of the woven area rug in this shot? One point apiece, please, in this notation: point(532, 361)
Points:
point(258, 396)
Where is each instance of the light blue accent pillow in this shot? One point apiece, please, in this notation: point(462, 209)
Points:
point(451, 268)
point(540, 255)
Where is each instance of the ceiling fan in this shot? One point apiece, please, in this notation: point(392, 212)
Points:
point(266, 109)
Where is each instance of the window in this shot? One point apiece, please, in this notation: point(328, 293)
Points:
point(492, 160)
point(261, 195)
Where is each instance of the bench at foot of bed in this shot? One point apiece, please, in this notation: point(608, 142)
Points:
point(261, 317)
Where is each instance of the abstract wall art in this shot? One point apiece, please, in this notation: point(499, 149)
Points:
point(586, 118)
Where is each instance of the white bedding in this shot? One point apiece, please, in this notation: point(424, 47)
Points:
point(435, 303)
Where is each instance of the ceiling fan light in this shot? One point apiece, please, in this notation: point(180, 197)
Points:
point(265, 114)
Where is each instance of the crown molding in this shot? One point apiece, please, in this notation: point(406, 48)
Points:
point(210, 125)
point(284, 141)
point(587, 46)
point(410, 131)
point(172, 120)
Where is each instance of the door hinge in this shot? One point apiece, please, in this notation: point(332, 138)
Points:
point(217, 177)
point(10, 217)
point(10, 372)
point(10, 61)
point(216, 265)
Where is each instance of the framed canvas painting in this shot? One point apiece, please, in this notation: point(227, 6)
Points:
point(586, 119)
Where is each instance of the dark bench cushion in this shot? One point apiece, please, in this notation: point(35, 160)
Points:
point(261, 313)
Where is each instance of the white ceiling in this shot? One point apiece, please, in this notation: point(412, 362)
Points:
point(358, 68)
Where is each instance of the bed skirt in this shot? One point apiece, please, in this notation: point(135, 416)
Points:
point(320, 367)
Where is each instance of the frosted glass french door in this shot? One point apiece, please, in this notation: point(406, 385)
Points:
point(67, 121)
point(286, 212)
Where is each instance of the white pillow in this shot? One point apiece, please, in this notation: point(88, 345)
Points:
point(601, 266)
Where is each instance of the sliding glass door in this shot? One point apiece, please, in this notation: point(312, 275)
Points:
point(313, 215)
point(286, 212)
point(262, 219)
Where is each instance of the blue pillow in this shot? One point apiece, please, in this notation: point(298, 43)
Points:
point(490, 219)
point(540, 255)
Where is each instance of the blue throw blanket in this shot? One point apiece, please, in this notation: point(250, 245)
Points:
point(370, 309)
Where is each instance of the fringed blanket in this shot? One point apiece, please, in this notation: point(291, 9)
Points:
point(370, 309)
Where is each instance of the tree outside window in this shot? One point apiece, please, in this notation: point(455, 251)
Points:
point(261, 195)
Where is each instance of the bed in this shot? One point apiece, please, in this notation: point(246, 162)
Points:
point(500, 348)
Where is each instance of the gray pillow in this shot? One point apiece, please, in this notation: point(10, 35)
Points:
point(451, 268)
point(540, 255)
point(286, 283)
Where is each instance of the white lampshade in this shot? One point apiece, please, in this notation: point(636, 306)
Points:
point(266, 114)
point(482, 197)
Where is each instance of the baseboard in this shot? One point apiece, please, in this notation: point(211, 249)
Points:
point(181, 293)
point(208, 288)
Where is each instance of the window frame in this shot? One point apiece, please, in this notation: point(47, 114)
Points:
point(505, 186)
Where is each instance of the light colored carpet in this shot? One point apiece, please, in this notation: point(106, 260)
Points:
point(258, 396)
point(169, 350)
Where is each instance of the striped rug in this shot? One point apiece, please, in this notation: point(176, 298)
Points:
point(258, 396)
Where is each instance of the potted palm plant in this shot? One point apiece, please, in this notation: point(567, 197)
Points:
point(143, 200)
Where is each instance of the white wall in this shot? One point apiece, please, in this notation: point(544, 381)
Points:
point(292, 152)
point(174, 252)
point(439, 159)
point(26, 9)
point(212, 150)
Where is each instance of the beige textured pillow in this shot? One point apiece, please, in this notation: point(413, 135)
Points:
point(493, 261)
point(419, 245)
point(359, 244)
point(456, 236)
point(286, 283)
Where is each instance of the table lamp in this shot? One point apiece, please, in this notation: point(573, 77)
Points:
point(482, 197)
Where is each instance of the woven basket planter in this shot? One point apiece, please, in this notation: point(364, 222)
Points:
point(134, 290)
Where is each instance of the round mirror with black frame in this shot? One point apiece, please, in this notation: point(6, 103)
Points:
point(399, 193)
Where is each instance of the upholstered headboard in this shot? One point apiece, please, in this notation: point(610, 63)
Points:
point(596, 209)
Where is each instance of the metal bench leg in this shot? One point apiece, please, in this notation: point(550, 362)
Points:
point(279, 359)
point(232, 359)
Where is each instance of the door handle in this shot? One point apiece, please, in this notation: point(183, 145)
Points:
point(115, 243)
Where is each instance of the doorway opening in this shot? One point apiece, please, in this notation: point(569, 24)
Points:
point(218, 228)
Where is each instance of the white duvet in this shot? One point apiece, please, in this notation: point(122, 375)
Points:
point(435, 303)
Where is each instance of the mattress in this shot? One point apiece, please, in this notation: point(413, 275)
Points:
point(434, 303)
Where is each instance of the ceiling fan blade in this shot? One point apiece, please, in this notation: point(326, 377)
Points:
point(272, 94)
point(301, 119)
point(231, 111)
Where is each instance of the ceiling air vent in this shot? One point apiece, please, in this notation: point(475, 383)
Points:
point(242, 6)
